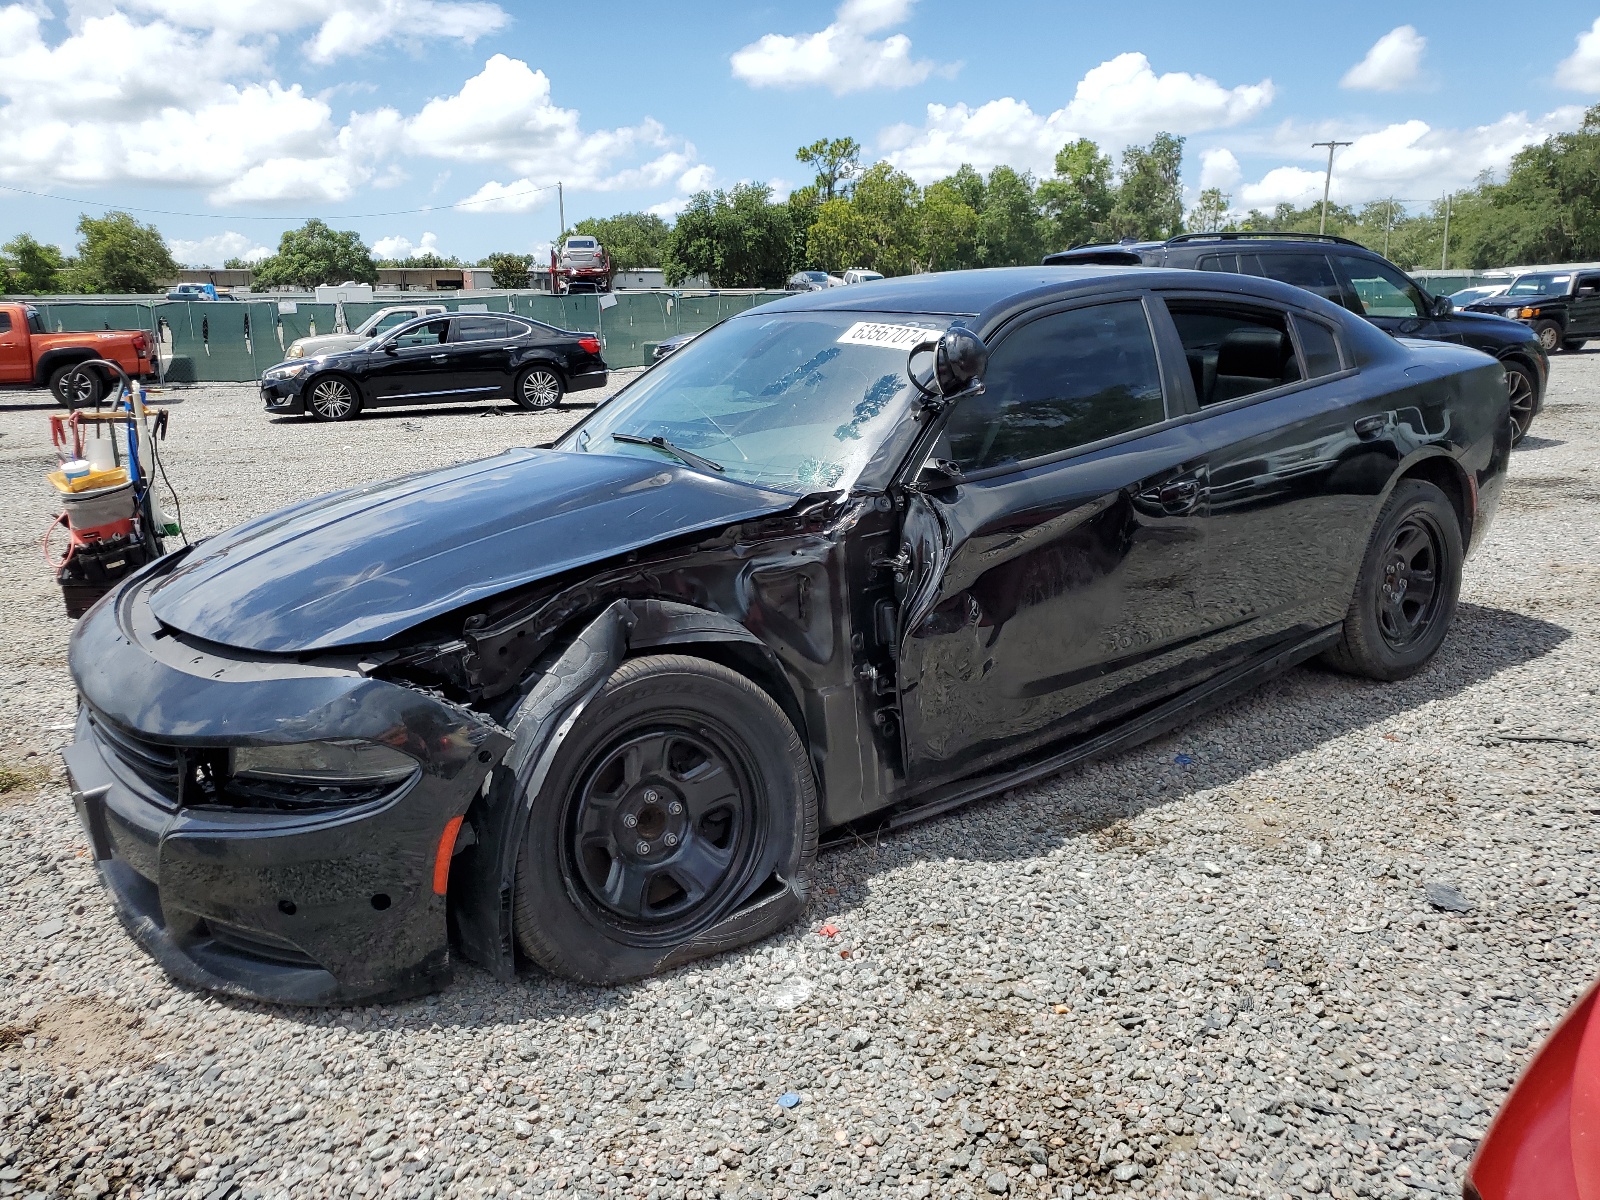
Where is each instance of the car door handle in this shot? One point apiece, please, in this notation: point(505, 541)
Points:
point(1180, 496)
point(438, 357)
point(1368, 428)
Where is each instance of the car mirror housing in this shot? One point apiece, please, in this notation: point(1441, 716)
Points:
point(1442, 307)
point(953, 366)
point(938, 475)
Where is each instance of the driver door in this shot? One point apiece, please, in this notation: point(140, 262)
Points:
point(1390, 300)
point(1063, 586)
point(412, 364)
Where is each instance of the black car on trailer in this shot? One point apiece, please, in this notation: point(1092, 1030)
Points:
point(1357, 278)
point(848, 559)
point(439, 359)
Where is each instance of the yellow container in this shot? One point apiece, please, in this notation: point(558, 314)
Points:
point(88, 483)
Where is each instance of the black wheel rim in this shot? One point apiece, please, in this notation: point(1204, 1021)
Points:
point(331, 399)
point(540, 389)
point(660, 829)
point(1521, 389)
point(1410, 591)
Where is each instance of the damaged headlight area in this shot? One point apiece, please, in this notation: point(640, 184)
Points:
point(286, 371)
point(336, 771)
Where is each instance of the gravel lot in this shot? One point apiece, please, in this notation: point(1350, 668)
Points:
point(1207, 967)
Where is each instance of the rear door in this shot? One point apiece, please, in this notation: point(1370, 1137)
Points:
point(479, 354)
point(1064, 592)
point(16, 361)
point(1297, 459)
point(1390, 300)
point(1584, 320)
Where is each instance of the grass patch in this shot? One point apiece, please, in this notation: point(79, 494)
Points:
point(19, 779)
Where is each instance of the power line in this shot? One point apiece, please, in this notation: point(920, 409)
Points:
point(166, 212)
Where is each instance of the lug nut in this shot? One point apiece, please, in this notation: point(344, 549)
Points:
point(651, 796)
point(675, 808)
point(671, 839)
point(630, 820)
point(643, 847)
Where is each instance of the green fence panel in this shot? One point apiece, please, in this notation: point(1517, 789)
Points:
point(89, 316)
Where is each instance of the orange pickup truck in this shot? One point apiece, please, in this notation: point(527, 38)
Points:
point(32, 357)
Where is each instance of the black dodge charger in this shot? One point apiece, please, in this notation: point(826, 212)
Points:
point(469, 356)
point(849, 559)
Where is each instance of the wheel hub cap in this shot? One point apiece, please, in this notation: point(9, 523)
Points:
point(1409, 596)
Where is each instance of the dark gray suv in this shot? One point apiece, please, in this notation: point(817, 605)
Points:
point(1350, 275)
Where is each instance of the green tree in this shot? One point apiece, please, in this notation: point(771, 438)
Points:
point(803, 204)
point(119, 254)
point(1077, 200)
point(315, 254)
point(947, 229)
point(633, 239)
point(968, 184)
point(737, 238)
point(509, 270)
point(1211, 212)
point(1011, 232)
point(839, 237)
point(1149, 199)
point(836, 162)
point(887, 201)
point(423, 262)
point(30, 267)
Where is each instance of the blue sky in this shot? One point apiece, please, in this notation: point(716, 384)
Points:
point(257, 115)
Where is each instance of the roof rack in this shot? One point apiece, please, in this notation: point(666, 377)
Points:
point(1244, 235)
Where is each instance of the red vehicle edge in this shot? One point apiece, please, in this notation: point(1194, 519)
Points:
point(30, 356)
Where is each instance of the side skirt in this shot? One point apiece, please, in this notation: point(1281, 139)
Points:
point(1152, 723)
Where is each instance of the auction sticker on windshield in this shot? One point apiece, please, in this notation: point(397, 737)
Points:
point(894, 337)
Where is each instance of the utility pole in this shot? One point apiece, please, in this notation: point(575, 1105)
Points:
point(1327, 180)
point(1444, 253)
point(1388, 223)
point(561, 207)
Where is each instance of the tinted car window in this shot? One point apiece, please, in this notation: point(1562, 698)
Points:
point(1060, 382)
point(430, 334)
point(1381, 290)
point(1588, 285)
point(1309, 271)
point(1233, 350)
point(393, 319)
point(5, 322)
point(1320, 347)
point(483, 329)
point(1219, 262)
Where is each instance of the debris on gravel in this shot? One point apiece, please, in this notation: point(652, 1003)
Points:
point(1299, 947)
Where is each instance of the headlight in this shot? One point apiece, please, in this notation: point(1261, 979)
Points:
point(295, 352)
point(340, 762)
point(287, 371)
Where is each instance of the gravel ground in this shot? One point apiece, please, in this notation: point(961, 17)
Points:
point(1213, 966)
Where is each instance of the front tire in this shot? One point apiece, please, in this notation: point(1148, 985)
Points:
point(1406, 594)
point(333, 398)
point(681, 792)
point(1523, 393)
point(1549, 335)
point(539, 388)
point(74, 388)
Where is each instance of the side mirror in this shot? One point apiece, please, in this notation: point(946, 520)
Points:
point(938, 475)
point(953, 364)
point(1441, 307)
point(391, 348)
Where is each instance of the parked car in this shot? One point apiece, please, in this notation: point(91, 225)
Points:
point(861, 275)
point(378, 323)
point(1544, 1143)
point(667, 346)
point(1561, 307)
point(476, 356)
point(850, 558)
point(193, 291)
point(807, 281)
point(585, 264)
point(1366, 283)
point(1472, 295)
point(30, 356)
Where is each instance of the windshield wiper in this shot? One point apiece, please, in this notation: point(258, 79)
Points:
point(678, 452)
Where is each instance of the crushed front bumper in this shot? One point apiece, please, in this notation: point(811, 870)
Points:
point(323, 906)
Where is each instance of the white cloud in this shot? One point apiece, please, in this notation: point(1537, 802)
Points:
point(667, 210)
point(1581, 70)
point(844, 57)
point(1393, 63)
point(696, 179)
point(401, 247)
point(342, 27)
point(1119, 101)
point(1409, 160)
point(217, 249)
point(1219, 169)
point(518, 196)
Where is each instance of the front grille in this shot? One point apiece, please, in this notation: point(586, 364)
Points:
point(158, 765)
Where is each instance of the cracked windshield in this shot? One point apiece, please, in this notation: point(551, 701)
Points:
point(795, 401)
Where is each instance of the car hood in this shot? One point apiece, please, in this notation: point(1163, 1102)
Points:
point(363, 565)
point(329, 343)
point(1502, 304)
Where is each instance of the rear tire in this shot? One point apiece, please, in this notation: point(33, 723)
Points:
point(1573, 345)
point(332, 398)
point(1523, 392)
point(74, 389)
point(539, 388)
point(1406, 594)
point(1549, 334)
point(681, 792)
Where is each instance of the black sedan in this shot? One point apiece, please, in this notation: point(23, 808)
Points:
point(468, 356)
point(846, 560)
